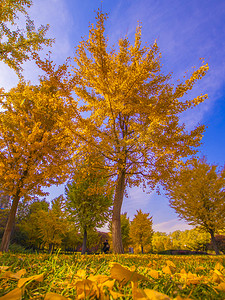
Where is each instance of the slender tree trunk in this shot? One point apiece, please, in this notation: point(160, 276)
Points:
point(50, 248)
point(142, 249)
point(84, 245)
point(214, 243)
point(9, 226)
point(116, 223)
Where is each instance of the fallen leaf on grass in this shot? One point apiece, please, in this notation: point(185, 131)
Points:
point(17, 275)
point(154, 295)
point(219, 267)
point(217, 276)
point(190, 278)
point(170, 264)
point(200, 268)
point(124, 275)
point(22, 281)
point(81, 273)
point(116, 295)
point(4, 268)
point(154, 274)
point(221, 286)
point(98, 278)
point(15, 294)
point(168, 270)
point(54, 296)
point(86, 288)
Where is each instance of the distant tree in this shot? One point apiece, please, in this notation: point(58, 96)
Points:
point(141, 231)
point(35, 145)
point(193, 239)
point(53, 224)
point(132, 112)
point(161, 242)
point(28, 221)
point(71, 238)
point(88, 197)
point(18, 44)
point(197, 194)
point(176, 238)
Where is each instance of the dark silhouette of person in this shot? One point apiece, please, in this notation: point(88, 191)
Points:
point(106, 247)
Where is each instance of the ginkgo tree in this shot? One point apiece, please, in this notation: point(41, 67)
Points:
point(141, 231)
point(131, 112)
point(17, 44)
point(197, 193)
point(88, 196)
point(35, 146)
point(53, 224)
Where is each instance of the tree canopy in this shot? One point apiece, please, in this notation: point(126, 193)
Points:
point(197, 194)
point(35, 145)
point(131, 112)
point(18, 44)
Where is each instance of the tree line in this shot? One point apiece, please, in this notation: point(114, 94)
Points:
point(124, 124)
point(43, 226)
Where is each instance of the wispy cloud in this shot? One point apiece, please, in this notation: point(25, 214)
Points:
point(171, 226)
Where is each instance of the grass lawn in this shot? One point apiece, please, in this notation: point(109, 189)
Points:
point(127, 276)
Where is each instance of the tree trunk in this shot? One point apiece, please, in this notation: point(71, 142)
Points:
point(116, 223)
point(50, 248)
point(142, 249)
point(213, 241)
point(9, 226)
point(84, 245)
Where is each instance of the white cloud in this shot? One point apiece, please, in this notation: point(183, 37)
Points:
point(171, 226)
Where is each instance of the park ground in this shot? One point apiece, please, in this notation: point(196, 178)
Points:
point(110, 276)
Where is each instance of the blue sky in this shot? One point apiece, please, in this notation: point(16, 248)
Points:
point(185, 32)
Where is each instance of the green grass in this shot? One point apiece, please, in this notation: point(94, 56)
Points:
point(200, 280)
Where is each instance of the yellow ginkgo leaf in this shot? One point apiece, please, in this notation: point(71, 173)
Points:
point(167, 270)
point(98, 278)
point(170, 264)
point(124, 275)
point(221, 286)
point(7, 274)
point(154, 295)
point(116, 295)
point(18, 274)
point(54, 296)
point(81, 273)
point(22, 281)
point(219, 267)
point(217, 276)
point(86, 288)
point(194, 279)
point(4, 268)
point(200, 268)
point(15, 294)
point(154, 274)
point(137, 294)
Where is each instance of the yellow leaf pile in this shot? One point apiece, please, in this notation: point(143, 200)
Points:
point(139, 281)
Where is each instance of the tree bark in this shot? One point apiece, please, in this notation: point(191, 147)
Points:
point(116, 223)
point(142, 249)
point(214, 243)
point(84, 245)
point(9, 226)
